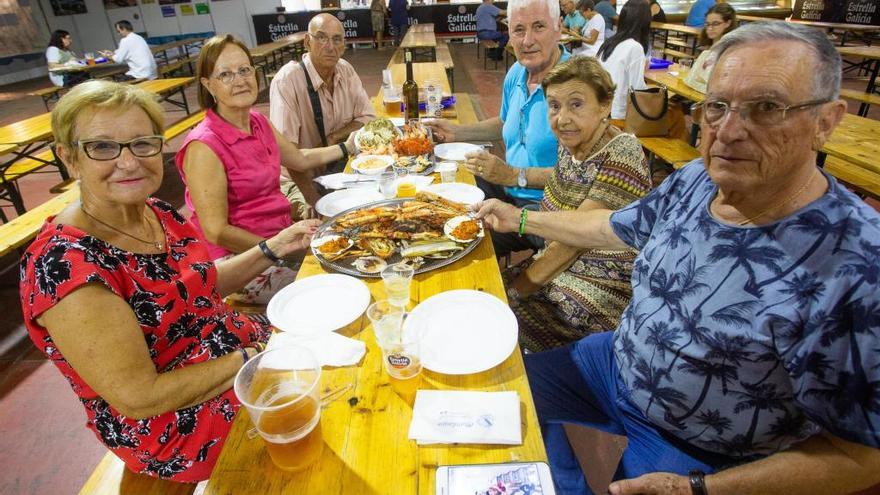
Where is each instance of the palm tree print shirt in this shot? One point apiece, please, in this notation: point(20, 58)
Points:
point(743, 340)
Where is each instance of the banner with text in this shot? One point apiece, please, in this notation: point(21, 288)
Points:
point(840, 11)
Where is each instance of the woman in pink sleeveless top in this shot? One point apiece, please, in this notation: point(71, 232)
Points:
point(231, 164)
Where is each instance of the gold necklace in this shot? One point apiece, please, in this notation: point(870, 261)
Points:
point(155, 244)
point(780, 205)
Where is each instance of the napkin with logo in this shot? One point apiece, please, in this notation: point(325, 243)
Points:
point(329, 348)
point(447, 416)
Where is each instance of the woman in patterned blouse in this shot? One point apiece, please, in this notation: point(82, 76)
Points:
point(564, 293)
point(119, 292)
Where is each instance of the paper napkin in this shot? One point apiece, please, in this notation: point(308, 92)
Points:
point(329, 348)
point(343, 180)
point(445, 416)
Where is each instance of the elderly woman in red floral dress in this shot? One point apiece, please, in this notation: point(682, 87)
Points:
point(119, 291)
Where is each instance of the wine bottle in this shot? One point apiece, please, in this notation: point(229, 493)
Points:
point(410, 91)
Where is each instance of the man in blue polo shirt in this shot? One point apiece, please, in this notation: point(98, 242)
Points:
point(573, 22)
point(523, 124)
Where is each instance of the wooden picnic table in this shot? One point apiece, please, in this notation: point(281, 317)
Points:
point(167, 87)
point(366, 449)
point(425, 27)
point(422, 71)
point(274, 50)
point(182, 45)
point(422, 44)
point(856, 139)
point(870, 56)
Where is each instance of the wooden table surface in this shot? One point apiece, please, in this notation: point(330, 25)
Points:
point(422, 71)
point(425, 27)
point(366, 448)
point(680, 28)
point(418, 39)
point(174, 44)
point(162, 86)
point(870, 52)
point(856, 139)
point(86, 68)
point(266, 49)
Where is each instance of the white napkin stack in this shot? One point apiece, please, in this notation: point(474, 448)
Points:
point(444, 416)
point(336, 181)
point(329, 348)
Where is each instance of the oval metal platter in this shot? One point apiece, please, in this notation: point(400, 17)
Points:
point(345, 265)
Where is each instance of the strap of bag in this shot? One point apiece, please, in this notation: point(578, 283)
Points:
point(316, 104)
point(635, 103)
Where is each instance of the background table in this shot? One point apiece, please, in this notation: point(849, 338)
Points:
point(422, 71)
point(366, 447)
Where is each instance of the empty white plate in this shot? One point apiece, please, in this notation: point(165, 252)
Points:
point(454, 151)
point(339, 201)
point(463, 331)
point(320, 303)
point(457, 191)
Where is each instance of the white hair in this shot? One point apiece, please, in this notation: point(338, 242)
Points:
point(552, 8)
point(826, 78)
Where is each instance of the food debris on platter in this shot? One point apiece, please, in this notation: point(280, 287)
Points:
point(413, 231)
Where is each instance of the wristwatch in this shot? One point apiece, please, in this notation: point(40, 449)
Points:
point(267, 252)
point(697, 481)
point(521, 180)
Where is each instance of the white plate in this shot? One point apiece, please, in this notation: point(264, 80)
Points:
point(454, 151)
point(457, 191)
point(463, 331)
point(339, 201)
point(321, 303)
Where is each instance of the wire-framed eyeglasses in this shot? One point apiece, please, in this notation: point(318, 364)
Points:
point(760, 113)
point(227, 76)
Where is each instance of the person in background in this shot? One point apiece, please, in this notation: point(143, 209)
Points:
point(57, 55)
point(135, 52)
point(399, 18)
point(572, 22)
point(746, 361)
point(563, 293)
point(593, 33)
point(657, 13)
point(378, 11)
point(720, 20)
point(608, 10)
point(231, 164)
point(530, 144)
point(118, 291)
point(344, 105)
point(487, 26)
point(697, 15)
point(624, 54)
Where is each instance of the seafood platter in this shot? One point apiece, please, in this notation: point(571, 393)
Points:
point(409, 146)
point(425, 231)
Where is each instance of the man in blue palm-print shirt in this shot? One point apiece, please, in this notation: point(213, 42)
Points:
point(747, 361)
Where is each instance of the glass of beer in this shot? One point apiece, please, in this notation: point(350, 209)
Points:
point(280, 390)
point(401, 348)
point(393, 102)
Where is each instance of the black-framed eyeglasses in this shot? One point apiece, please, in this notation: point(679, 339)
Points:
point(227, 76)
point(107, 149)
point(760, 113)
point(715, 24)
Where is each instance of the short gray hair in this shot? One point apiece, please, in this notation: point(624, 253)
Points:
point(552, 8)
point(826, 81)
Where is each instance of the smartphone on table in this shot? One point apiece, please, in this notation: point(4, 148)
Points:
point(513, 478)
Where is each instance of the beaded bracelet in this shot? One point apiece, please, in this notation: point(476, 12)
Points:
point(522, 222)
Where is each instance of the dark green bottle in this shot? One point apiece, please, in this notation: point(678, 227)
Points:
point(410, 91)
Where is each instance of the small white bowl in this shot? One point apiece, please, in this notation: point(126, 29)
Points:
point(358, 164)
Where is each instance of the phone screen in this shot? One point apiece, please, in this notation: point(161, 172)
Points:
point(527, 478)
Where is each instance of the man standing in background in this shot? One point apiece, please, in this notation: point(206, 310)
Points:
point(378, 10)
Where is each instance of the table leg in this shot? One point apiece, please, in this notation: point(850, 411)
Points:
point(864, 107)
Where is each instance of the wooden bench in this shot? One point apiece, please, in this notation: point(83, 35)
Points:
point(20, 230)
point(862, 180)
point(670, 150)
point(52, 93)
point(445, 58)
point(112, 478)
point(867, 98)
point(183, 125)
point(27, 166)
point(678, 54)
point(168, 70)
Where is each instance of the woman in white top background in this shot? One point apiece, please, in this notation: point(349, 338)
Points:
point(623, 54)
point(593, 32)
point(720, 20)
point(57, 55)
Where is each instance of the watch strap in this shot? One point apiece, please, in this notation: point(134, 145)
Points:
point(344, 151)
point(269, 254)
point(697, 480)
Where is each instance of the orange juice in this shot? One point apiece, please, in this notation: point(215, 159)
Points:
point(406, 190)
point(294, 432)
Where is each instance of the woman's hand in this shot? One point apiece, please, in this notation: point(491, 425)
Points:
point(442, 130)
point(499, 216)
point(293, 238)
point(349, 144)
point(490, 167)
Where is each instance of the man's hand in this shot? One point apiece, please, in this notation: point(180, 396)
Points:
point(442, 130)
point(652, 484)
point(499, 216)
point(490, 167)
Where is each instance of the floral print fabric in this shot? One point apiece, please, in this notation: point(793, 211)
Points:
point(743, 340)
point(184, 322)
